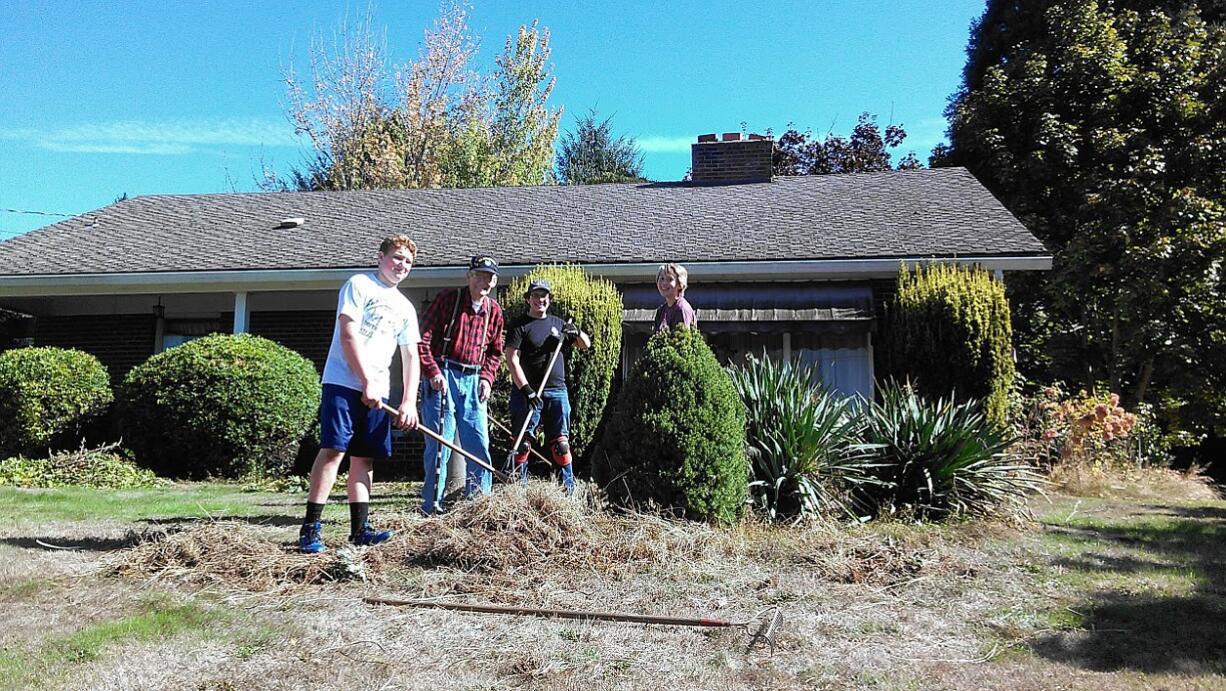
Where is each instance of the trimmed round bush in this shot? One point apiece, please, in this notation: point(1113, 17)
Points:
point(678, 434)
point(47, 395)
point(596, 307)
point(220, 406)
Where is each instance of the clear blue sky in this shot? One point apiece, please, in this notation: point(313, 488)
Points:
point(144, 97)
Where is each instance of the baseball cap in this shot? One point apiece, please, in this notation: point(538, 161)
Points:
point(483, 263)
point(538, 285)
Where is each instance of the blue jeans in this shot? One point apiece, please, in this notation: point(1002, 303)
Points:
point(555, 410)
point(463, 412)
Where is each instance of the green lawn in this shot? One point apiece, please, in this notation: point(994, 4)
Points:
point(179, 501)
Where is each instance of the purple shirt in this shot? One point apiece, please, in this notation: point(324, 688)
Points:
point(680, 312)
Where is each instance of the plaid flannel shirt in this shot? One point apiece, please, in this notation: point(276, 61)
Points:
point(466, 337)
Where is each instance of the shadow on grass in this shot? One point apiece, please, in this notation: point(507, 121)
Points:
point(1121, 629)
point(84, 544)
point(270, 521)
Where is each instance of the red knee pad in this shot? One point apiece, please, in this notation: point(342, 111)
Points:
point(560, 450)
point(521, 454)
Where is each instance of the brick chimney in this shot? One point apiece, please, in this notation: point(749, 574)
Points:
point(731, 158)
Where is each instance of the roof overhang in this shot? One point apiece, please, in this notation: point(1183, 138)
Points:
point(255, 280)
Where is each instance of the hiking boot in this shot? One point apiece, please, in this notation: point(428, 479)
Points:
point(369, 536)
point(311, 539)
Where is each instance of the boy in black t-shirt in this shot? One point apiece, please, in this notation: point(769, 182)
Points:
point(531, 341)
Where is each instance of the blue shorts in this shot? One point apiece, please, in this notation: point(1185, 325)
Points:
point(346, 424)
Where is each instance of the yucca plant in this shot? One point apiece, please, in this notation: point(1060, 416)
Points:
point(940, 458)
point(803, 441)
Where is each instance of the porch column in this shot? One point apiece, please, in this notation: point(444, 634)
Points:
point(240, 313)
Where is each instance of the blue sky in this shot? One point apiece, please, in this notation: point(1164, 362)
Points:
point(174, 97)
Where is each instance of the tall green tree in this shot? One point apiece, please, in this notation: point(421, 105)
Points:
point(431, 122)
point(867, 150)
point(1102, 126)
point(591, 154)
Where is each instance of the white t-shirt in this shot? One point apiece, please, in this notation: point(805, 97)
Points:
point(385, 319)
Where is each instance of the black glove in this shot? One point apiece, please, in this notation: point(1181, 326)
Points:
point(530, 396)
point(570, 332)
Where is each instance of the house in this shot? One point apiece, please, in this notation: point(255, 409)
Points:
point(795, 266)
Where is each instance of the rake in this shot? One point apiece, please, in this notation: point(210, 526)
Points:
point(768, 620)
point(451, 445)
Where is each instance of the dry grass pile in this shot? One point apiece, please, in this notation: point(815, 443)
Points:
point(538, 528)
point(231, 552)
point(524, 535)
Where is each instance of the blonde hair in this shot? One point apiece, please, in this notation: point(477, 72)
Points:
point(393, 242)
point(678, 271)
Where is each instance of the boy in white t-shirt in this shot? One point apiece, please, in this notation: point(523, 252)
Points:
point(372, 318)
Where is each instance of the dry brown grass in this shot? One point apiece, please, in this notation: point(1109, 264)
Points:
point(229, 552)
point(1145, 483)
point(491, 545)
point(886, 605)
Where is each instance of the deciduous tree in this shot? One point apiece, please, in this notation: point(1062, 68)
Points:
point(432, 122)
point(867, 150)
point(1103, 127)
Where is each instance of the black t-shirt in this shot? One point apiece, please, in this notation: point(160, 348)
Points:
point(535, 340)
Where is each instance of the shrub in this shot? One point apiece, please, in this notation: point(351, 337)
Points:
point(101, 467)
point(678, 434)
point(219, 406)
point(47, 395)
point(596, 307)
point(1093, 430)
point(803, 441)
point(940, 458)
point(949, 328)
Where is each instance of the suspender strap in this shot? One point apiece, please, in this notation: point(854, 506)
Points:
point(447, 333)
point(450, 331)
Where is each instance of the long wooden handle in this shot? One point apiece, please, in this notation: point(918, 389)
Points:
point(557, 613)
point(449, 444)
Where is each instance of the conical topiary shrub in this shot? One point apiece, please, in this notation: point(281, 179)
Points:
point(678, 434)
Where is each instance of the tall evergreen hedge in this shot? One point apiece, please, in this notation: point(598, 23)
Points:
point(219, 406)
point(48, 395)
point(596, 307)
point(949, 330)
point(678, 434)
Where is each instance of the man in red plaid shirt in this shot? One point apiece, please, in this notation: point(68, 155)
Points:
point(460, 352)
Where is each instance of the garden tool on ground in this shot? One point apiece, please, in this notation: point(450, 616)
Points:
point(451, 445)
point(539, 391)
point(768, 620)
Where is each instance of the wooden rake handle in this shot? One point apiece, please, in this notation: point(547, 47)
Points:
point(451, 445)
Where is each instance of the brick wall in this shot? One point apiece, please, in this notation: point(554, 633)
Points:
point(308, 333)
point(732, 161)
point(119, 341)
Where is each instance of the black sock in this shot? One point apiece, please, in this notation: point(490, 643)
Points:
point(358, 511)
point(314, 512)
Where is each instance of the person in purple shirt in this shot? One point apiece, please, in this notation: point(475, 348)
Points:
point(671, 281)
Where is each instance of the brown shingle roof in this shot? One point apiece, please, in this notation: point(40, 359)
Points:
point(925, 213)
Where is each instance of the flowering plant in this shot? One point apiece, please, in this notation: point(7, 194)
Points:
point(1055, 427)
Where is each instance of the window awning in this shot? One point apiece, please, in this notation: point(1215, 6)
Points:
point(765, 306)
